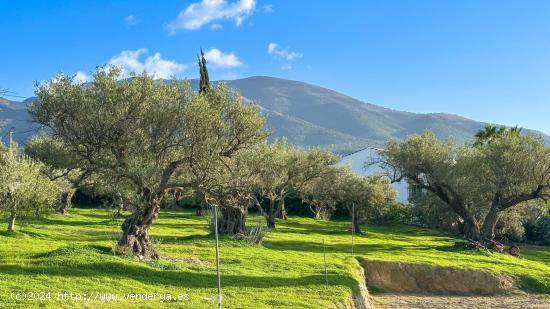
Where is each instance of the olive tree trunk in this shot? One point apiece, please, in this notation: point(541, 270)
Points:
point(270, 216)
point(11, 222)
point(356, 223)
point(135, 232)
point(66, 201)
point(281, 210)
point(471, 230)
point(321, 213)
point(489, 224)
point(232, 221)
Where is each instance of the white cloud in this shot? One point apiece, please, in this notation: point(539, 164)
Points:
point(81, 77)
point(286, 67)
point(219, 59)
point(131, 61)
point(205, 12)
point(274, 49)
point(268, 8)
point(131, 20)
point(215, 26)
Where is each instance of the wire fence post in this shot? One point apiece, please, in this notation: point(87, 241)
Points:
point(217, 257)
point(10, 139)
point(325, 261)
point(352, 229)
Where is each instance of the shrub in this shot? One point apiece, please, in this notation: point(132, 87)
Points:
point(254, 235)
point(428, 210)
point(394, 213)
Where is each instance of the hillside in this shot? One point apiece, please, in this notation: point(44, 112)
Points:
point(309, 115)
point(14, 115)
point(73, 253)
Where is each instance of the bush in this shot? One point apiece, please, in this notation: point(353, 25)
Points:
point(529, 222)
point(394, 213)
point(510, 225)
point(254, 235)
point(429, 211)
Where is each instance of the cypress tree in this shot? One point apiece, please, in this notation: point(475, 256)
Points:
point(204, 82)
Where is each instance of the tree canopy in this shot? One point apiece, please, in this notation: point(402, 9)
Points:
point(476, 182)
point(148, 136)
point(286, 169)
point(24, 190)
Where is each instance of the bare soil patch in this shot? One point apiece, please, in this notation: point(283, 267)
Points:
point(430, 279)
point(391, 300)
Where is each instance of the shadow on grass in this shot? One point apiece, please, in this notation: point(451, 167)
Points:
point(78, 222)
point(456, 249)
point(167, 239)
point(180, 279)
point(334, 248)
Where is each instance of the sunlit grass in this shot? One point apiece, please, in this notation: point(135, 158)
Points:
point(73, 253)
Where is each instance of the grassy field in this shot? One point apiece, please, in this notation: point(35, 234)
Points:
point(73, 253)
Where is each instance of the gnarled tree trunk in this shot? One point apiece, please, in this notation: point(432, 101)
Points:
point(270, 216)
point(471, 229)
point(11, 222)
point(489, 224)
point(356, 223)
point(321, 212)
point(66, 201)
point(281, 210)
point(135, 229)
point(232, 221)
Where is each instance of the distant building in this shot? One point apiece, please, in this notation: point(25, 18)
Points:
point(357, 161)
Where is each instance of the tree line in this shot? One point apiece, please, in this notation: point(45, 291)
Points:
point(142, 142)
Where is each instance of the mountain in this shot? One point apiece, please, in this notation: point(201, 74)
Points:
point(13, 115)
point(309, 115)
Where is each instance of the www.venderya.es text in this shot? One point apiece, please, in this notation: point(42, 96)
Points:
point(98, 296)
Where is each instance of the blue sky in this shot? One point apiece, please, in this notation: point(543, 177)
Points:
point(485, 60)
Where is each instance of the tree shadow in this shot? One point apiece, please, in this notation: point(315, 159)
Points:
point(179, 278)
point(179, 239)
point(50, 221)
point(303, 246)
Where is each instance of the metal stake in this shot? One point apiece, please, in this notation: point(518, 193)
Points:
point(325, 260)
point(352, 229)
point(217, 257)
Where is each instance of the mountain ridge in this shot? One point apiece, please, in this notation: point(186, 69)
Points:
point(310, 116)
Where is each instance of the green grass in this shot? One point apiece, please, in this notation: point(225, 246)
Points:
point(73, 253)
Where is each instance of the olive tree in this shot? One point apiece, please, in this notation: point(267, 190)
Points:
point(286, 169)
point(154, 137)
point(24, 190)
point(478, 182)
point(365, 197)
point(60, 165)
point(324, 193)
point(232, 188)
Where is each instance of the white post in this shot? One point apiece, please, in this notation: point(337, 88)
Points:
point(10, 143)
point(217, 257)
point(352, 228)
point(325, 260)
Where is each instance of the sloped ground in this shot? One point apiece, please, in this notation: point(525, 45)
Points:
point(386, 301)
point(411, 285)
point(430, 279)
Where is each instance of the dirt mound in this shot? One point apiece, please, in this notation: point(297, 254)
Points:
point(401, 301)
point(421, 278)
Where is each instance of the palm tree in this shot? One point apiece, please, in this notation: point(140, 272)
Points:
point(515, 131)
point(490, 133)
point(487, 134)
